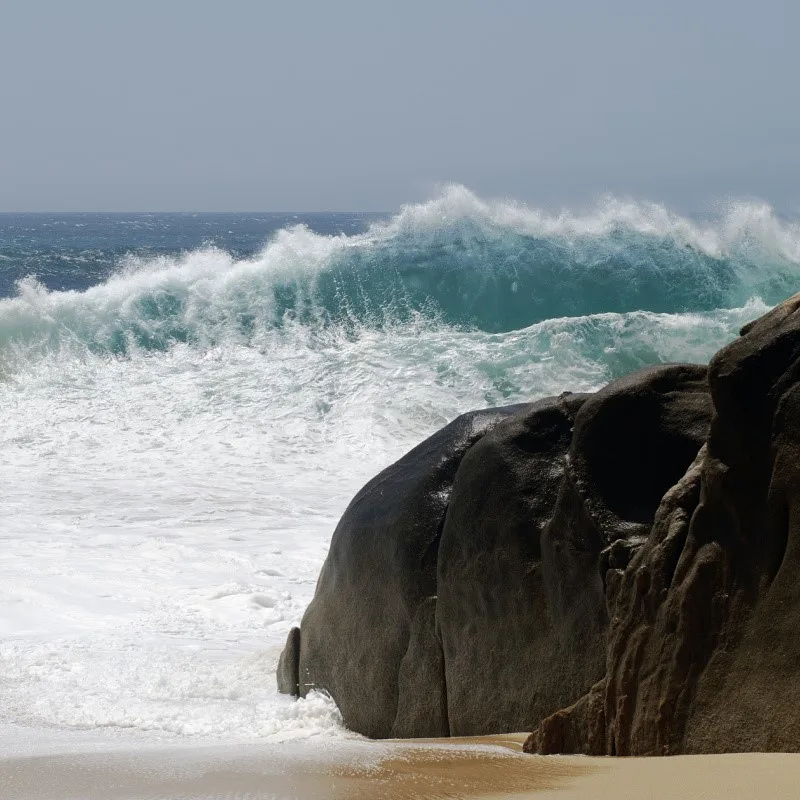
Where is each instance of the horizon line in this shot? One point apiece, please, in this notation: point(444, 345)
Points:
point(246, 211)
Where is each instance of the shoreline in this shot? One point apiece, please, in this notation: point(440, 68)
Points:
point(483, 768)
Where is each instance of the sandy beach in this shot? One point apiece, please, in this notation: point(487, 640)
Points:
point(491, 767)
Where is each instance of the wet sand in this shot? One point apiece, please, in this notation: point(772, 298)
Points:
point(490, 767)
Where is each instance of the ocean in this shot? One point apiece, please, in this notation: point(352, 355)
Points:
point(188, 402)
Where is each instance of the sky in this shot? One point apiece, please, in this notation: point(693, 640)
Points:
point(276, 106)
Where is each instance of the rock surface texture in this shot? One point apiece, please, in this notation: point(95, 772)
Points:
point(703, 649)
point(466, 588)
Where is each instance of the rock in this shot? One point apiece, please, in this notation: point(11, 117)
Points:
point(704, 647)
point(570, 730)
point(289, 665)
point(467, 586)
point(372, 607)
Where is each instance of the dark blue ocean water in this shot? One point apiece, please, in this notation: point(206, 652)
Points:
point(75, 251)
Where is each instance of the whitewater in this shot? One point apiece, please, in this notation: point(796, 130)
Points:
point(182, 428)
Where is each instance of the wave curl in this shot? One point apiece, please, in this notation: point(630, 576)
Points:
point(456, 261)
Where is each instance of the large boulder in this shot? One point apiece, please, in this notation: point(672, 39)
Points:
point(370, 619)
point(465, 590)
point(704, 647)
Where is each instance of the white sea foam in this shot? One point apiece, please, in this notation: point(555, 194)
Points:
point(735, 224)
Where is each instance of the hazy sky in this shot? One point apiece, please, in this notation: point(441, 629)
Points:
point(232, 105)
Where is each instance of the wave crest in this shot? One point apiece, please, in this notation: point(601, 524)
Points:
point(455, 261)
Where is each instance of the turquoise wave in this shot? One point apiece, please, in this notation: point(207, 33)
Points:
point(456, 262)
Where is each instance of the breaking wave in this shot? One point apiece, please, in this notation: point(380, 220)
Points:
point(456, 261)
